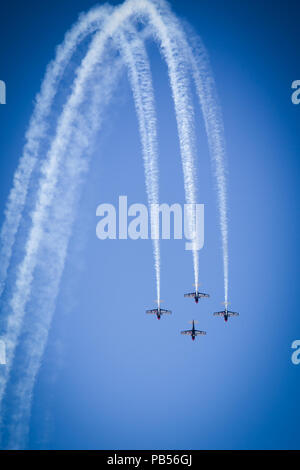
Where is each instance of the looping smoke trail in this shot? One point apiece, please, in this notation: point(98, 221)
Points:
point(25, 270)
point(52, 249)
point(65, 161)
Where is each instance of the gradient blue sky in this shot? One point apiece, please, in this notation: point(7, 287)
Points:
point(112, 377)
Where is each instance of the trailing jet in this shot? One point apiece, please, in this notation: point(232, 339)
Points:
point(193, 332)
point(196, 295)
point(159, 311)
point(226, 313)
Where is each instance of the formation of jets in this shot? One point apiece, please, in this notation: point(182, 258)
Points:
point(196, 296)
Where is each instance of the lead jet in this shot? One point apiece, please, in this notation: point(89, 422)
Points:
point(196, 295)
point(193, 332)
point(159, 311)
point(226, 313)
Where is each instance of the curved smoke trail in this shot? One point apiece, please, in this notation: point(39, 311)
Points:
point(37, 131)
point(52, 249)
point(70, 142)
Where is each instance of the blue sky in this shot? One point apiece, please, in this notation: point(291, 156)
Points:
point(111, 376)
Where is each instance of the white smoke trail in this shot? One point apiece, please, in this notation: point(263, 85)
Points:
point(46, 193)
point(198, 61)
point(37, 131)
point(172, 39)
point(52, 250)
point(208, 99)
point(136, 59)
point(67, 129)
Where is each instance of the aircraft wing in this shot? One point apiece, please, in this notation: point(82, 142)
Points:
point(219, 314)
point(200, 294)
point(198, 332)
point(154, 310)
point(191, 294)
point(187, 332)
point(233, 314)
point(162, 310)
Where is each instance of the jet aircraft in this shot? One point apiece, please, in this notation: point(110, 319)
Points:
point(193, 332)
point(196, 295)
point(159, 311)
point(226, 313)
